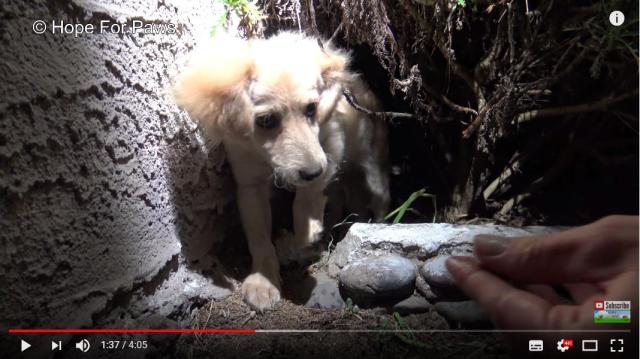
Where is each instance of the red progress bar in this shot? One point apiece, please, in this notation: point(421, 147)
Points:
point(35, 331)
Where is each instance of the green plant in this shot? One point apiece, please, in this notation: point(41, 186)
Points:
point(351, 307)
point(607, 41)
point(400, 211)
point(403, 332)
point(248, 12)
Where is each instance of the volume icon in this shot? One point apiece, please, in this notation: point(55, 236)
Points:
point(83, 345)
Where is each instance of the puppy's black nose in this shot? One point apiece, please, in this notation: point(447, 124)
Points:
point(310, 174)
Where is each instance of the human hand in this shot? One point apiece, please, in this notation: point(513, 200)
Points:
point(511, 278)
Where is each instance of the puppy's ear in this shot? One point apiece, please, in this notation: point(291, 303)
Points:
point(212, 86)
point(333, 63)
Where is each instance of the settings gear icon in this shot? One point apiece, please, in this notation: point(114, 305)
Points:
point(564, 344)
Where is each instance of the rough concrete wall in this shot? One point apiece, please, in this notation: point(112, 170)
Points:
point(103, 180)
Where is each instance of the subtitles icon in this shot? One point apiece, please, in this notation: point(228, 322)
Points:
point(590, 345)
point(565, 344)
point(83, 345)
point(536, 345)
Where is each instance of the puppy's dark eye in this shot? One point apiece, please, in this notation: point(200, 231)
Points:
point(268, 121)
point(310, 110)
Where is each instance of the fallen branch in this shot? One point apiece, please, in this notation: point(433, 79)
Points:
point(456, 107)
point(598, 105)
point(508, 206)
point(556, 169)
point(311, 15)
point(510, 36)
point(473, 126)
point(538, 92)
point(452, 105)
point(336, 32)
point(380, 114)
point(502, 178)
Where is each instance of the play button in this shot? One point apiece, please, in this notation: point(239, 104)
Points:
point(24, 345)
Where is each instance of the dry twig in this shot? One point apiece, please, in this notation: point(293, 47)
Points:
point(502, 178)
point(473, 126)
point(601, 104)
point(380, 114)
point(456, 107)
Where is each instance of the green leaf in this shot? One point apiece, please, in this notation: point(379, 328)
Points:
point(400, 211)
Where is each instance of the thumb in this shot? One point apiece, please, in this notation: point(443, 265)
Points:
point(577, 255)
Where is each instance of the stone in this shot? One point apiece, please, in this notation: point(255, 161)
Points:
point(440, 281)
point(412, 305)
point(448, 294)
point(377, 280)
point(464, 314)
point(435, 272)
point(417, 241)
point(174, 293)
point(326, 295)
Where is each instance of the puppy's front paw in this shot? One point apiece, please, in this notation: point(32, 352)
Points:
point(259, 293)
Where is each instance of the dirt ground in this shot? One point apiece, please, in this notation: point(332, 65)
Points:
point(354, 333)
point(348, 332)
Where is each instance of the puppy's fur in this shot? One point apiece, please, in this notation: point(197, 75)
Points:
point(277, 106)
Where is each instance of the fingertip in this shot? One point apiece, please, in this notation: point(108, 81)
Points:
point(460, 266)
point(486, 246)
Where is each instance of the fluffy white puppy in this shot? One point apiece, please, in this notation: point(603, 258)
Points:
point(278, 107)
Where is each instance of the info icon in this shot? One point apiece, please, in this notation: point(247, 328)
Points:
point(616, 18)
point(536, 345)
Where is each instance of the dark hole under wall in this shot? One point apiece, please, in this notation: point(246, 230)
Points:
point(587, 189)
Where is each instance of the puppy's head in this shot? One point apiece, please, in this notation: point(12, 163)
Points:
point(271, 95)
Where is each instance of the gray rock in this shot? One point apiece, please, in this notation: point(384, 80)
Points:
point(423, 240)
point(464, 314)
point(412, 305)
point(172, 294)
point(440, 281)
point(326, 295)
point(378, 279)
point(448, 294)
point(178, 292)
point(441, 284)
point(435, 272)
